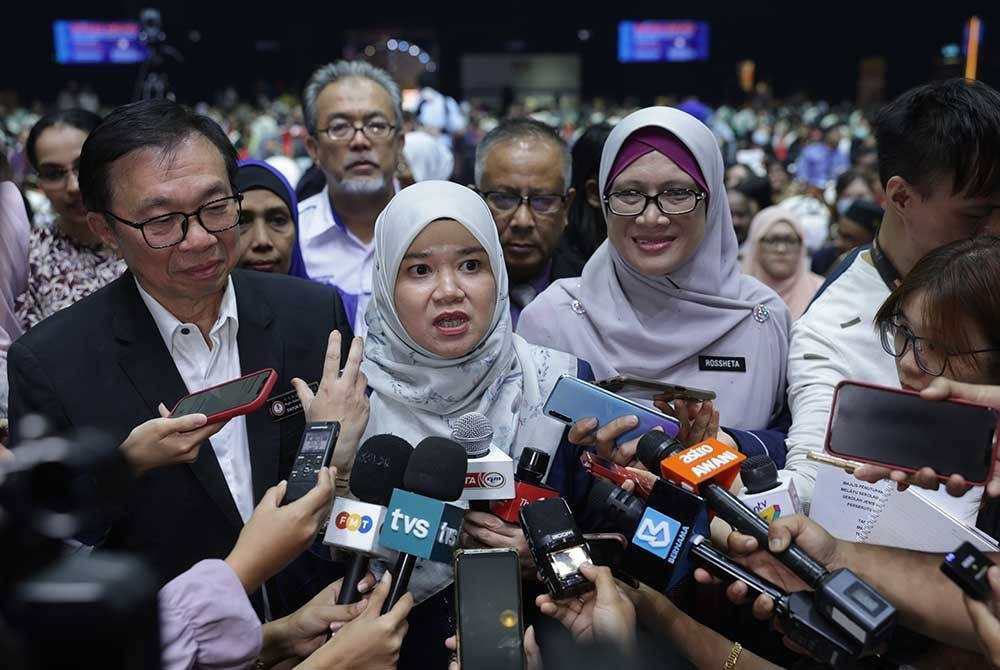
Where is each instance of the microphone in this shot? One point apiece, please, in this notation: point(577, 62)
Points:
point(490, 473)
point(356, 524)
point(419, 524)
point(528, 488)
point(710, 469)
point(764, 492)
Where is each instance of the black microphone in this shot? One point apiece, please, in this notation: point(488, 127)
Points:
point(417, 523)
point(355, 524)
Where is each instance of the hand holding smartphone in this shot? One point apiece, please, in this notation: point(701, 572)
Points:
point(488, 594)
point(901, 430)
point(573, 399)
point(233, 398)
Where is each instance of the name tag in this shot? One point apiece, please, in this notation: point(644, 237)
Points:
point(287, 404)
point(722, 364)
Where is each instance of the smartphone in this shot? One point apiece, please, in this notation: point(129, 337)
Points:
point(573, 399)
point(609, 549)
point(900, 430)
point(233, 398)
point(488, 596)
point(967, 567)
point(616, 474)
point(640, 387)
point(315, 451)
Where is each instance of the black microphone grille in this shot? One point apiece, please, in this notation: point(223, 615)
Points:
point(437, 469)
point(759, 473)
point(474, 432)
point(379, 467)
point(654, 446)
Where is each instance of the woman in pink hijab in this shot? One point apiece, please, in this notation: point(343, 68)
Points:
point(776, 255)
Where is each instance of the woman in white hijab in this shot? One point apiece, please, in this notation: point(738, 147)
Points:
point(663, 297)
point(440, 344)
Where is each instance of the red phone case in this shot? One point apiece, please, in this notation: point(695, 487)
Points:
point(239, 410)
point(894, 466)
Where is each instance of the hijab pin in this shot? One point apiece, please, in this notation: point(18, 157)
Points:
point(577, 307)
point(761, 313)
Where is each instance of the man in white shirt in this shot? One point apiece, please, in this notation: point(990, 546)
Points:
point(353, 112)
point(939, 159)
point(158, 183)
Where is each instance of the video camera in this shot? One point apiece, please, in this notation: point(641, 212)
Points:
point(61, 608)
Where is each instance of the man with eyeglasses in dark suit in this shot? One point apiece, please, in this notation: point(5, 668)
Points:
point(157, 180)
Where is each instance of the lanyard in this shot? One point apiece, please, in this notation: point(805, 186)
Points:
point(885, 268)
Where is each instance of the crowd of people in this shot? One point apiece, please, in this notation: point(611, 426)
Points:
point(424, 263)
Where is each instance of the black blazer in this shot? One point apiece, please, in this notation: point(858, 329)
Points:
point(102, 363)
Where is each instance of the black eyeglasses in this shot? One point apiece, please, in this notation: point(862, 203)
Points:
point(167, 230)
point(896, 338)
point(344, 132)
point(503, 202)
point(671, 202)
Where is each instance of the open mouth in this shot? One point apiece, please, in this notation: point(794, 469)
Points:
point(452, 323)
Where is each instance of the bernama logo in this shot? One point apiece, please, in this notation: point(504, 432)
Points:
point(484, 480)
point(351, 522)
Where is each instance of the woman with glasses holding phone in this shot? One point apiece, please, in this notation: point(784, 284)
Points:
point(66, 260)
point(944, 320)
point(776, 255)
point(663, 298)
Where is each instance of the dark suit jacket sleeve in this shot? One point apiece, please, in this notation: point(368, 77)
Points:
point(32, 391)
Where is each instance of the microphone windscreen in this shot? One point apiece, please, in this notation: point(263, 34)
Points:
point(653, 447)
point(759, 473)
point(379, 467)
point(474, 432)
point(436, 469)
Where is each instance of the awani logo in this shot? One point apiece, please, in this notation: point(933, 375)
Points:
point(656, 533)
point(354, 523)
point(484, 480)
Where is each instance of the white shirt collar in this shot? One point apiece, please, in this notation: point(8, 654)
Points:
point(168, 324)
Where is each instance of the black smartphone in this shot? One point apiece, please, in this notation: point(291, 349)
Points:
point(900, 430)
point(315, 451)
point(967, 567)
point(488, 595)
point(609, 549)
point(640, 387)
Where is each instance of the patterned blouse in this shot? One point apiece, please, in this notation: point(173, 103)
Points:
point(60, 272)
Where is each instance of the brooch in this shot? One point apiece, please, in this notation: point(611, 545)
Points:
point(761, 313)
point(577, 307)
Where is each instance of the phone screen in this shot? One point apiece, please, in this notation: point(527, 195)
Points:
point(899, 429)
point(489, 609)
point(215, 400)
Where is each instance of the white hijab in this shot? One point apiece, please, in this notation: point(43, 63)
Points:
point(624, 322)
point(417, 393)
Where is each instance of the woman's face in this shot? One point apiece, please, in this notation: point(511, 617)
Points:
point(445, 291)
point(652, 242)
point(742, 210)
point(778, 177)
point(58, 154)
point(780, 250)
point(267, 233)
point(857, 189)
point(962, 368)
